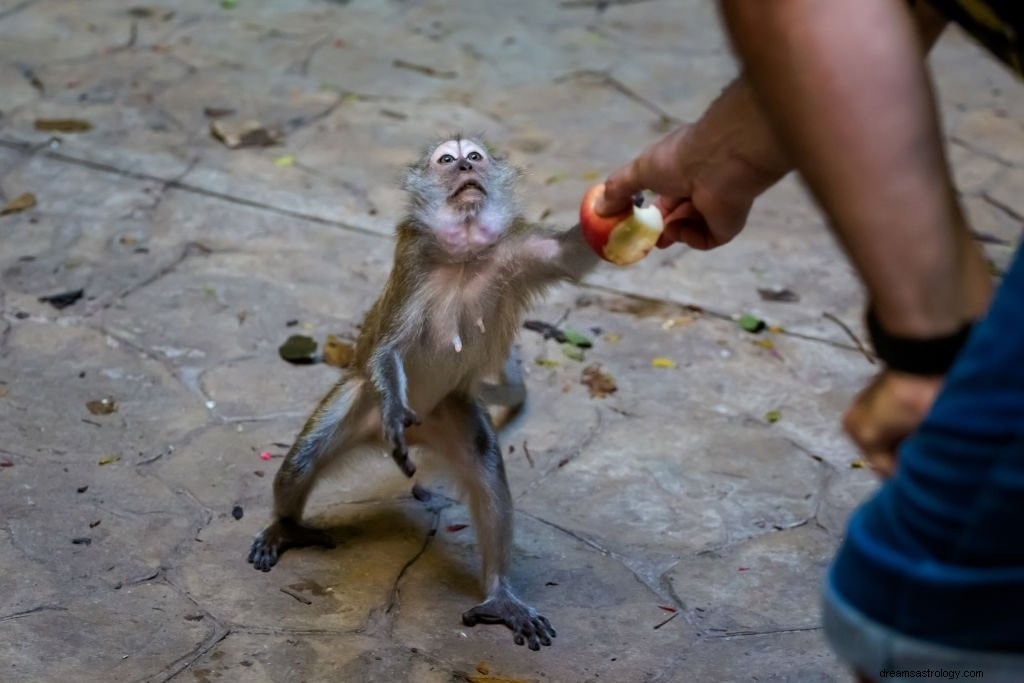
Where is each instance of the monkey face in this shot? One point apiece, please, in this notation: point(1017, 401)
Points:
point(463, 196)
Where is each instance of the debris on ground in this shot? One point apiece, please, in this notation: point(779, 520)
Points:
point(338, 352)
point(103, 406)
point(23, 202)
point(265, 455)
point(772, 416)
point(249, 133)
point(64, 299)
point(237, 512)
point(573, 352)
point(666, 363)
point(298, 349)
point(63, 125)
point(751, 323)
point(787, 296)
point(599, 383)
point(109, 459)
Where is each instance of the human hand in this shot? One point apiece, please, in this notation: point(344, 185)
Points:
point(701, 208)
point(886, 413)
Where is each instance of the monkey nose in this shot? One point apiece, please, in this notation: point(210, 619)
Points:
point(465, 165)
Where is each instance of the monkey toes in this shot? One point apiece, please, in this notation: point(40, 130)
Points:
point(527, 625)
point(279, 537)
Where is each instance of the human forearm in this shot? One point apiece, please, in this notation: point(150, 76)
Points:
point(844, 88)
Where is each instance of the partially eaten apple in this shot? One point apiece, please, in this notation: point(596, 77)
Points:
point(624, 238)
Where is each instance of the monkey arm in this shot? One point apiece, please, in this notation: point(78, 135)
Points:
point(388, 376)
point(551, 255)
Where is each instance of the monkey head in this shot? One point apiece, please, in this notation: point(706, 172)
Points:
point(463, 196)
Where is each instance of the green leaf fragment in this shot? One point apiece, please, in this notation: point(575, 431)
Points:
point(772, 416)
point(751, 323)
point(577, 339)
point(573, 352)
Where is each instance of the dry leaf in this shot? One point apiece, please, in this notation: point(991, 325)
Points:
point(103, 406)
point(590, 175)
point(546, 362)
point(612, 338)
point(284, 160)
point(242, 315)
point(677, 322)
point(598, 382)
point(783, 295)
point(22, 202)
point(109, 459)
point(217, 112)
point(4, 390)
point(338, 353)
point(245, 134)
point(63, 125)
point(663, 363)
point(858, 464)
point(775, 329)
point(765, 343)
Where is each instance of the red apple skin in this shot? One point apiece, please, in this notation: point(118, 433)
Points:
point(597, 228)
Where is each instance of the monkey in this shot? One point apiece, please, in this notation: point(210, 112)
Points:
point(466, 267)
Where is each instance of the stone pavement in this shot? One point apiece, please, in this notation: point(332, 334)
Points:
point(121, 558)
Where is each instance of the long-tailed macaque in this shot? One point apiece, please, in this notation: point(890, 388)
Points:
point(466, 266)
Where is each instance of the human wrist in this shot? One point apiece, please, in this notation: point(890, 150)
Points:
point(917, 355)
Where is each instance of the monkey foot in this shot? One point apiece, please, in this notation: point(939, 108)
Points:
point(527, 625)
point(279, 537)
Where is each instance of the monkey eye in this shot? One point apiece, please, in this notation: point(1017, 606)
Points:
point(446, 159)
point(474, 156)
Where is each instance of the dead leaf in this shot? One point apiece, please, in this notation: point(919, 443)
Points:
point(573, 352)
point(337, 352)
point(217, 112)
point(546, 362)
point(677, 322)
point(765, 343)
point(612, 338)
point(236, 135)
point(284, 161)
point(858, 464)
point(483, 668)
point(424, 69)
point(663, 363)
point(775, 329)
point(63, 125)
point(64, 299)
point(590, 175)
point(242, 315)
point(4, 390)
point(599, 383)
point(109, 459)
point(103, 406)
point(783, 295)
point(298, 349)
point(22, 202)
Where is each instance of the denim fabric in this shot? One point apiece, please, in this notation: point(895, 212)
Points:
point(938, 553)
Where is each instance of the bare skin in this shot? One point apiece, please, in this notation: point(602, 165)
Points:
point(858, 121)
point(466, 267)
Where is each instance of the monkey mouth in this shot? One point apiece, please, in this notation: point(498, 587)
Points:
point(467, 186)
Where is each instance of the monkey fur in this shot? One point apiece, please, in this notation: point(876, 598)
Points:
point(466, 267)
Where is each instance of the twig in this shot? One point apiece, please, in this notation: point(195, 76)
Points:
point(298, 596)
point(526, 450)
point(856, 340)
point(670, 618)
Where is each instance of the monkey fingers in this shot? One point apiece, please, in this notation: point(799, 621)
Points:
point(527, 625)
point(394, 431)
point(281, 535)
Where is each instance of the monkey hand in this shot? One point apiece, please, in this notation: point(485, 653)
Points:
point(396, 421)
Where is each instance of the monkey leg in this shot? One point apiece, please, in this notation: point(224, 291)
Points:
point(332, 431)
point(468, 438)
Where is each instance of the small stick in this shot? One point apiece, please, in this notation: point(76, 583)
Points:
point(673, 616)
point(298, 596)
point(529, 458)
point(856, 340)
